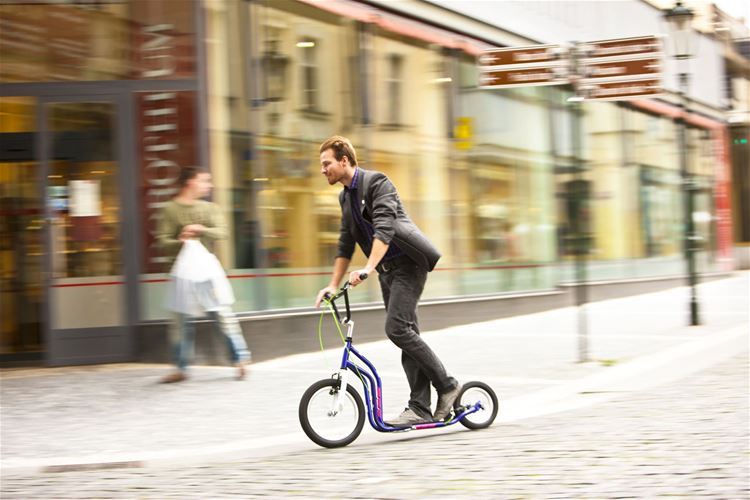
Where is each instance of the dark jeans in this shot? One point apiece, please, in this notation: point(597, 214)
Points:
point(402, 283)
point(182, 334)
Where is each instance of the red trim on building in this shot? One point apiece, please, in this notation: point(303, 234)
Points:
point(722, 194)
point(400, 25)
point(88, 283)
point(664, 109)
point(297, 275)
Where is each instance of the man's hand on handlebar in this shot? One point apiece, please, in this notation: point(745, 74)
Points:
point(329, 290)
point(357, 277)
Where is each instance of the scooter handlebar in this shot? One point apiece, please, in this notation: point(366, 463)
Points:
point(347, 285)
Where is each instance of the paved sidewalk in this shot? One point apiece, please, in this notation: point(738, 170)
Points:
point(109, 415)
point(684, 439)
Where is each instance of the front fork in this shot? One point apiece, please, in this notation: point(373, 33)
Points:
point(343, 374)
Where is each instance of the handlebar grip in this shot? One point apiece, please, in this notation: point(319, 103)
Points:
point(363, 276)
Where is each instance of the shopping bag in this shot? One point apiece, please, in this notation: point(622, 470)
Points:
point(197, 283)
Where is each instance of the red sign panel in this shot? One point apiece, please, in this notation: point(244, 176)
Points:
point(621, 90)
point(621, 69)
point(641, 45)
point(723, 198)
point(167, 133)
point(522, 77)
point(520, 55)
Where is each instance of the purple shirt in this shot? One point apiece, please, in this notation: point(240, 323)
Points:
point(365, 226)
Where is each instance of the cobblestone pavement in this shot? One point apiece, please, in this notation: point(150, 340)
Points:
point(687, 439)
point(213, 437)
point(116, 413)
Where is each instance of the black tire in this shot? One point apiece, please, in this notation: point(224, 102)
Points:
point(355, 405)
point(470, 393)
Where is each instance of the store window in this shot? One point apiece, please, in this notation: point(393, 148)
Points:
point(83, 175)
point(495, 213)
point(486, 208)
point(393, 86)
point(508, 203)
point(85, 229)
point(661, 212)
point(309, 74)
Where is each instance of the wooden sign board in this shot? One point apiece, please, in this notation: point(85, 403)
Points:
point(526, 56)
point(621, 90)
point(638, 46)
point(623, 69)
point(522, 77)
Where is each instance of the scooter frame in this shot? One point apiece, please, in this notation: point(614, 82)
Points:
point(372, 384)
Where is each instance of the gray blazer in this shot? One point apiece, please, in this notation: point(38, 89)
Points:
point(380, 205)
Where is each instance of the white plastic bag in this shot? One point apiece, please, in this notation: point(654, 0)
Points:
point(198, 282)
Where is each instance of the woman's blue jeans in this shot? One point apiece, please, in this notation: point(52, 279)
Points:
point(182, 335)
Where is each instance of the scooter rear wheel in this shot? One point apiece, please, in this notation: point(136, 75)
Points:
point(477, 392)
point(323, 428)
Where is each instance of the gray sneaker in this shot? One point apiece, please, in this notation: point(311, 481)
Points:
point(407, 419)
point(445, 403)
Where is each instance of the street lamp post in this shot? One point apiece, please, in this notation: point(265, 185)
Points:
point(578, 200)
point(679, 20)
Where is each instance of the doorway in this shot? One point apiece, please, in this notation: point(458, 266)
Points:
point(21, 233)
point(67, 288)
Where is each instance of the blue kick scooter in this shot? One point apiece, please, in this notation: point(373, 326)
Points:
point(331, 410)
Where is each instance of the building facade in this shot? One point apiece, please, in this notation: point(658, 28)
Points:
point(734, 37)
point(100, 105)
point(103, 102)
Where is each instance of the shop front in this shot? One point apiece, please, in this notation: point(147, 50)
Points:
point(98, 110)
point(102, 103)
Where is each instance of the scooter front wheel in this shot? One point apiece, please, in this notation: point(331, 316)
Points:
point(326, 425)
point(471, 394)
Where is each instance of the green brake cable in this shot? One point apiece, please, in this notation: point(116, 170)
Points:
point(341, 334)
point(320, 326)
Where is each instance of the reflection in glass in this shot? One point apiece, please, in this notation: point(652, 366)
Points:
point(660, 209)
point(82, 191)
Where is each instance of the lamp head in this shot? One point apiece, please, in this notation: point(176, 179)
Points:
point(679, 19)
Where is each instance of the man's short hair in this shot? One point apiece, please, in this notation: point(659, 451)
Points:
point(341, 146)
point(189, 172)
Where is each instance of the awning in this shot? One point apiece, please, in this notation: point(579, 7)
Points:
point(401, 25)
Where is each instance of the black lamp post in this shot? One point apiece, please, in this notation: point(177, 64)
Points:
point(679, 19)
